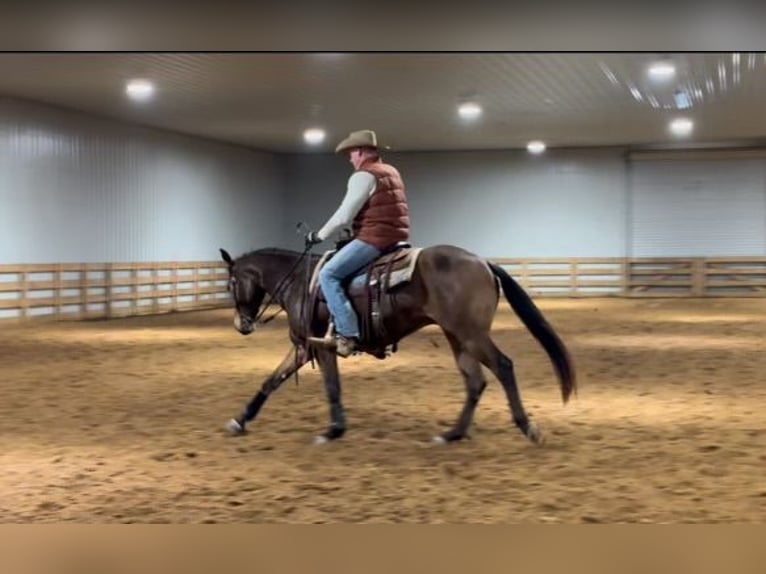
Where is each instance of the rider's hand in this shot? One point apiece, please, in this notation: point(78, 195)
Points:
point(312, 237)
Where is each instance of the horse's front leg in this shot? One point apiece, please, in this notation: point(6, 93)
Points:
point(328, 363)
point(289, 365)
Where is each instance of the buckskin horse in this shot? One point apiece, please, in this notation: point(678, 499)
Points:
point(398, 294)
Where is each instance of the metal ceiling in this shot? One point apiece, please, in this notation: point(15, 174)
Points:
point(265, 101)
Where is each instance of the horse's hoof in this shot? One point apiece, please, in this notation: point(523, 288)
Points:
point(535, 435)
point(234, 428)
point(332, 434)
point(449, 437)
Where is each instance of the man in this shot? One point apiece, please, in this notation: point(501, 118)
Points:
point(376, 206)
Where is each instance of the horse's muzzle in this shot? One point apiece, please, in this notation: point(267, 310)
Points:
point(243, 325)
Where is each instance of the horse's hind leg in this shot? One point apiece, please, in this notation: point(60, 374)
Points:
point(475, 384)
point(485, 350)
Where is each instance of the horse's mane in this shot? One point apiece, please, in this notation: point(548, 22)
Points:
point(272, 252)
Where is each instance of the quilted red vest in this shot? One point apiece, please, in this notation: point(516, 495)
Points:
point(384, 219)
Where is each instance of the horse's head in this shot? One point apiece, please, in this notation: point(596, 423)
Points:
point(247, 290)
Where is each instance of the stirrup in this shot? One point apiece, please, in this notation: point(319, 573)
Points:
point(330, 341)
point(329, 338)
point(333, 343)
point(324, 341)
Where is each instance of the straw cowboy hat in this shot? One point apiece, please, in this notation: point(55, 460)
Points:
point(360, 138)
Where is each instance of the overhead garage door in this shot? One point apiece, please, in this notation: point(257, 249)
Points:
point(697, 207)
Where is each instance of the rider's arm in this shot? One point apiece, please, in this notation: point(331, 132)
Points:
point(361, 186)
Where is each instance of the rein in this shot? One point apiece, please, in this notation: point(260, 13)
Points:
point(281, 286)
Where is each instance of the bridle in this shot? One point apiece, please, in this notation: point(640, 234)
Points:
point(281, 287)
point(284, 283)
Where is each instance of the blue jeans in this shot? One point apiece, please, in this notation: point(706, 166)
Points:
point(351, 258)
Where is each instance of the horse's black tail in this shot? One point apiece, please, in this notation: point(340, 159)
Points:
point(531, 316)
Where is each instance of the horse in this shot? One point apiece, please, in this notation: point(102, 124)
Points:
point(448, 286)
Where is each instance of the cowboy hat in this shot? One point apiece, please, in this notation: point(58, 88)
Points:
point(360, 138)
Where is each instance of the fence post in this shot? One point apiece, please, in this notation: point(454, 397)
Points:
point(83, 290)
point(23, 275)
point(108, 290)
point(573, 278)
point(698, 277)
point(58, 287)
point(625, 276)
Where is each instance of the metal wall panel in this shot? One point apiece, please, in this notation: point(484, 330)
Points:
point(698, 207)
point(75, 188)
point(497, 204)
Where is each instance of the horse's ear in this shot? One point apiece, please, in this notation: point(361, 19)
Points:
point(226, 256)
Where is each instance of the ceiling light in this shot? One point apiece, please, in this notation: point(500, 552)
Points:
point(682, 100)
point(469, 110)
point(139, 89)
point(681, 127)
point(536, 147)
point(314, 136)
point(662, 70)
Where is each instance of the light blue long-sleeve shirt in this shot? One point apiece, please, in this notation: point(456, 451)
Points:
point(361, 186)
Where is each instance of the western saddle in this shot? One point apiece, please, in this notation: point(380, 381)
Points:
point(370, 291)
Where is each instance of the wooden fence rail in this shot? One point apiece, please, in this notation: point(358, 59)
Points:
point(106, 290)
point(641, 277)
